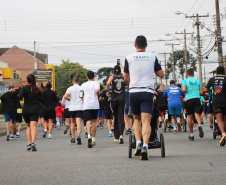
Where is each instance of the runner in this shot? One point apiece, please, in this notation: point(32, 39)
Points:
point(174, 104)
point(118, 100)
point(107, 110)
point(91, 90)
point(19, 118)
point(49, 104)
point(127, 117)
point(66, 114)
point(193, 88)
point(75, 108)
point(32, 96)
point(101, 112)
point(218, 84)
point(139, 69)
point(10, 104)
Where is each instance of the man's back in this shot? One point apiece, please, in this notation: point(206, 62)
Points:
point(192, 87)
point(75, 103)
point(10, 101)
point(174, 93)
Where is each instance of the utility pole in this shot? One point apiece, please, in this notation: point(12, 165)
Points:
point(199, 44)
point(35, 61)
point(165, 64)
point(160, 78)
point(185, 51)
point(173, 62)
point(204, 74)
point(218, 33)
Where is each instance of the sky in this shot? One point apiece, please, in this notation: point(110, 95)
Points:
point(96, 33)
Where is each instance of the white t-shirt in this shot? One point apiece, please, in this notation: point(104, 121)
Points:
point(65, 103)
point(75, 102)
point(91, 101)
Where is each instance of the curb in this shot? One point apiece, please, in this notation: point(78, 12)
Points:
point(4, 132)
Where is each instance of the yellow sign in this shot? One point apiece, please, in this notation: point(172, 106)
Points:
point(11, 75)
point(52, 80)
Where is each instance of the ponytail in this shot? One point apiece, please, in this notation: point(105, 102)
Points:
point(31, 80)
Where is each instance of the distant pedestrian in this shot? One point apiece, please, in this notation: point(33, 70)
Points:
point(59, 115)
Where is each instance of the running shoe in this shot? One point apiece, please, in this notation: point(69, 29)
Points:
point(50, 136)
point(15, 131)
point(179, 127)
point(17, 135)
point(66, 129)
point(174, 131)
point(12, 137)
point(90, 142)
point(110, 134)
point(79, 141)
point(7, 137)
point(44, 134)
point(121, 140)
point(138, 150)
point(191, 138)
point(102, 127)
point(29, 147)
point(112, 129)
point(211, 127)
point(144, 153)
point(94, 143)
point(128, 131)
point(72, 140)
point(33, 147)
point(160, 124)
point(194, 128)
point(201, 133)
point(222, 141)
point(116, 140)
point(75, 128)
point(86, 135)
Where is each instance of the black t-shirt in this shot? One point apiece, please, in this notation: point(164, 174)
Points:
point(30, 97)
point(106, 99)
point(118, 89)
point(218, 83)
point(10, 101)
point(49, 98)
point(101, 103)
point(162, 101)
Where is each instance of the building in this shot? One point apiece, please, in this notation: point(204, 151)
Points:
point(22, 60)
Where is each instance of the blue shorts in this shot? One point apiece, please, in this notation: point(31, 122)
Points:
point(127, 108)
point(11, 115)
point(206, 111)
point(174, 111)
point(141, 102)
point(101, 113)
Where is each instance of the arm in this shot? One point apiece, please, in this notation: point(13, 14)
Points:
point(184, 88)
point(208, 85)
point(158, 69)
point(97, 88)
point(126, 73)
point(66, 96)
point(21, 94)
point(200, 89)
point(109, 83)
point(182, 94)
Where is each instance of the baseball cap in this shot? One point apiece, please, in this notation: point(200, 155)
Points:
point(172, 82)
point(11, 86)
point(117, 70)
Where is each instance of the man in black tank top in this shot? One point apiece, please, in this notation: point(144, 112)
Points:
point(118, 99)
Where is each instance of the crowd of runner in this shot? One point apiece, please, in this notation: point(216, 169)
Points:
point(124, 104)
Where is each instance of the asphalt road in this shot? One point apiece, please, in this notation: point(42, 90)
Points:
point(59, 162)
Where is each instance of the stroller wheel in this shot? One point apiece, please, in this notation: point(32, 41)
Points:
point(162, 145)
point(130, 145)
point(165, 125)
point(185, 126)
point(214, 134)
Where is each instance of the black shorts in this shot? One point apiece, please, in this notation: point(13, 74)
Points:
point(211, 108)
point(218, 110)
point(108, 114)
point(41, 115)
point(49, 113)
point(89, 115)
point(31, 113)
point(76, 114)
point(193, 106)
point(162, 108)
point(19, 117)
point(66, 113)
point(141, 102)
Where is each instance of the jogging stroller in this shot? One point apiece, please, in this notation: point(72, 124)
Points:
point(154, 141)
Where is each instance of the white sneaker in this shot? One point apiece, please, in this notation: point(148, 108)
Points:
point(50, 136)
point(116, 140)
point(121, 140)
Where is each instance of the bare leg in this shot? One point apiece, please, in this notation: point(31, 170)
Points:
point(19, 127)
point(109, 124)
point(220, 122)
point(126, 119)
point(137, 127)
point(7, 126)
point(146, 126)
point(50, 126)
point(28, 132)
point(198, 118)
point(73, 127)
point(45, 124)
point(94, 127)
point(33, 131)
point(190, 123)
point(13, 128)
point(79, 126)
point(88, 125)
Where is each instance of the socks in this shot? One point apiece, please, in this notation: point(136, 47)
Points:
point(178, 120)
point(89, 135)
point(17, 133)
point(93, 139)
point(138, 142)
point(174, 123)
point(45, 130)
point(191, 134)
point(110, 132)
point(145, 145)
point(223, 133)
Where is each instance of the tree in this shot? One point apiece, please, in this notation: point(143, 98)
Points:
point(104, 73)
point(65, 72)
point(180, 63)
